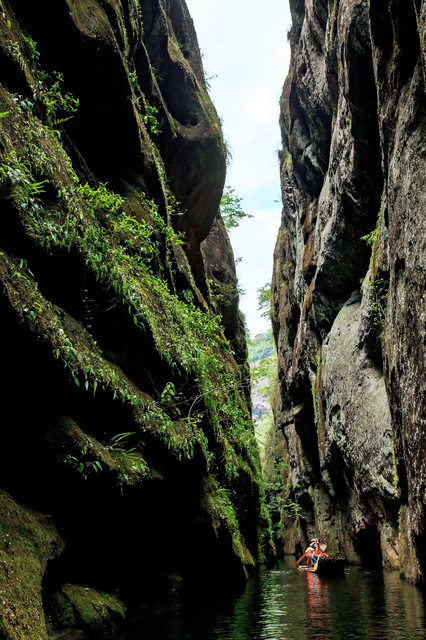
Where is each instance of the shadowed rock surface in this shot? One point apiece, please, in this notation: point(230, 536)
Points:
point(128, 462)
point(349, 274)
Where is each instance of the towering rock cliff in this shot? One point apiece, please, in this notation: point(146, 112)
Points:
point(127, 462)
point(348, 284)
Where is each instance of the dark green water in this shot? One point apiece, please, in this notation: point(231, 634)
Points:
point(287, 604)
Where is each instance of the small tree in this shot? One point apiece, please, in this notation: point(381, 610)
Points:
point(264, 300)
point(231, 210)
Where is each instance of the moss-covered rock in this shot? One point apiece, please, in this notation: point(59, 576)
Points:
point(124, 395)
point(77, 607)
point(28, 541)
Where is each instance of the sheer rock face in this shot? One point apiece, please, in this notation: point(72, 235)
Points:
point(125, 413)
point(351, 358)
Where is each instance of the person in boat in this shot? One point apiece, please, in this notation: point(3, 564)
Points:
point(316, 549)
point(320, 550)
point(310, 550)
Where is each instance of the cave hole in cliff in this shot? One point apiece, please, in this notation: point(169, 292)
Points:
point(340, 474)
point(181, 96)
point(179, 20)
point(145, 543)
point(367, 546)
point(364, 124)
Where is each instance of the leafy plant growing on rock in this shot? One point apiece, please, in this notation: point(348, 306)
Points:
point(377, 307)
point(151, 121)
point(20, 174)
point(54, 100)
point(85, 464)
point(264, 300)
point(118, 444)
point(231, 209)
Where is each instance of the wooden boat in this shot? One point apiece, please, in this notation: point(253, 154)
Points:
point(327, 566)
point(330, 566)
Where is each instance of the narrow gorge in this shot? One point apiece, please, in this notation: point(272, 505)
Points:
point(129, 470)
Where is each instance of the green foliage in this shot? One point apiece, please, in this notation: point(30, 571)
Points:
point(266, 368)
point(99, 198)
point(264, 300)
point(118, 444)
point(131, 251)
point(139, 9)
point(231, 210)
point(262, 346)
point(379, 289)
point(57, 103)
point(186, 335)
point(151, 121)
point(279, 491)
point(59, 106)
point(25, 188)
point(86, 463)
point(372, 237)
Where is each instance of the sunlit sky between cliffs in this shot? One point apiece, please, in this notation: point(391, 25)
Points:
point(246, 58)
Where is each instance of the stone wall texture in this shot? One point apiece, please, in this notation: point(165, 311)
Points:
point(129, 472)
point(349, 278)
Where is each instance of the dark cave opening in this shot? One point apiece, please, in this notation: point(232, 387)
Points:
point(367, 546)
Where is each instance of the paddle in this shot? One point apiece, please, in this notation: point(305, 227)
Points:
point(300, 560)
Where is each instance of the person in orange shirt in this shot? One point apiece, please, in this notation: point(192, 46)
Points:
point(316, 548)
point(319, 550)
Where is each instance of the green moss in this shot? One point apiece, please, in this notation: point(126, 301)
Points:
point(373, 239)
point(121, 249)
point(332, 22)
point(27, 542)
point(77, 607)
point(219, 506)
point(125, 243)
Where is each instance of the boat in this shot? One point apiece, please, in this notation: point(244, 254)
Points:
point(327, 566)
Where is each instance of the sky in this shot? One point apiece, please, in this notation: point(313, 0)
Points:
point(246, 58)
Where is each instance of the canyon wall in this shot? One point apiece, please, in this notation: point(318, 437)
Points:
point(128, 467)
point(349, 274)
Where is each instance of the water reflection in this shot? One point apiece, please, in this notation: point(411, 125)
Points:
point(287, 604)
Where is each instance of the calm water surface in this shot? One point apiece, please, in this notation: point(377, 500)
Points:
point(287, 604)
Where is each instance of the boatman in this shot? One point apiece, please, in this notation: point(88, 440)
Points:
point(311, 550)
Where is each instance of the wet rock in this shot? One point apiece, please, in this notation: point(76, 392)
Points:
point(76, 607)
point(352, 170)
point(124, 382)
point(28, 541)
